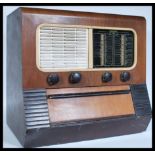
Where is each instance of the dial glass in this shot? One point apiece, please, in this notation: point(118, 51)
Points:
point(113, 48)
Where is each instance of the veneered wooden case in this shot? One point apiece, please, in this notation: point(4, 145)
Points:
point(31, 19)
point(42, 114)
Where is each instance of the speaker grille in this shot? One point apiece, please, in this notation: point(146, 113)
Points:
point(36, 109)
point(63, 47)
point(113, 48)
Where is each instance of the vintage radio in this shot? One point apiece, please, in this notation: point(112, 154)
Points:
point(74, 76)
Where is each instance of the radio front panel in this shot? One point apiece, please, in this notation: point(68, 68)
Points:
point(91, 47)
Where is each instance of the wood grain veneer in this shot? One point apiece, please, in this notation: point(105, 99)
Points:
point(32, 18)
point(69, 109)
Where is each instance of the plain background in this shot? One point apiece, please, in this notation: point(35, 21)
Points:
point(140, 140)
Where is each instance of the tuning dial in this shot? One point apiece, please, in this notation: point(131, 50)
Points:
point(107, 77)
point(75, 77)
point(52, 79)
point(125, 76)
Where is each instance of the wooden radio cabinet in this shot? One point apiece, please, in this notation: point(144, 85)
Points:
point(74, 76)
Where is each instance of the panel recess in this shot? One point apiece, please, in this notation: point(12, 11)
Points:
point(83, 108)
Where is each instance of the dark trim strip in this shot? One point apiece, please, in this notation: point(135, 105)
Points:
point(140, 99)
point(73, 95)
point(87, 121)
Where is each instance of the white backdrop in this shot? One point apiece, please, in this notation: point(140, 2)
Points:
point(142, 140)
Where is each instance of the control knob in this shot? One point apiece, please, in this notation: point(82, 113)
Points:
point(125, 76)
point(52, 79)
point(107, 76)
point(75, 77)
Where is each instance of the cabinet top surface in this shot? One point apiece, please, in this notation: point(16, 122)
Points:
point(75, 13)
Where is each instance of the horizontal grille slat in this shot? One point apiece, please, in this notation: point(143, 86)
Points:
point(26, 95)
point(37, 118)
point(29, 91)
point(37, 122)
point(35, 99)
point(34, 102)
point(37, 110)
point(35, 107)
point(58, 42)
point(36, 115)
point(37, 126)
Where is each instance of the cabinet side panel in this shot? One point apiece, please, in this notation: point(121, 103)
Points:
point(15, 105)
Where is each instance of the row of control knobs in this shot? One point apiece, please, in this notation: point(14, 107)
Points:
point(75, 77)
